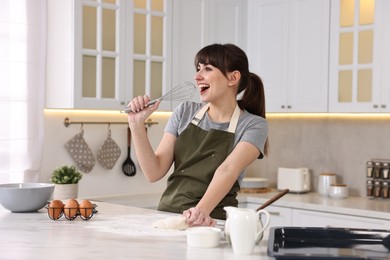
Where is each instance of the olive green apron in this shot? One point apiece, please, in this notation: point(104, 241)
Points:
point(198, 153)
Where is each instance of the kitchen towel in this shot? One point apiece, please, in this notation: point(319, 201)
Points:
point(80, 153)
point(108, 153)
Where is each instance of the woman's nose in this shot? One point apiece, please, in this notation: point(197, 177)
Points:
point(197, 76)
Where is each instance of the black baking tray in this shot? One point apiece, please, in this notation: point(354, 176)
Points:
point(328, 243)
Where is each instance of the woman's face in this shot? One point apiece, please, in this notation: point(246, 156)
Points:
point(211, 81)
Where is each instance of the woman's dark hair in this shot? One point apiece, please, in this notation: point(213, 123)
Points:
point(228, 58)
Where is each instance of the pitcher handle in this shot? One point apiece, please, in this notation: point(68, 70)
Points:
point(265, 225)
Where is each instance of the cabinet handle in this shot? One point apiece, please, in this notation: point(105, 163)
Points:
point(375, 106)
point(274, 213)
point(282, 106)
point(383, 106)
point(288, 107)
point(123, 103)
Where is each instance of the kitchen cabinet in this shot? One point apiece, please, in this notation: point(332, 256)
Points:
point(100, 54)
point(359, 56)
point(197, 23)
point(288, 48)
point(279, 216)
point(285, 216)
point(307, 218)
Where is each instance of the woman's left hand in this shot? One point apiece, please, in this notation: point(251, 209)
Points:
point(198, 217)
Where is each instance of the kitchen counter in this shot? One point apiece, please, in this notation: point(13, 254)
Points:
point(357, 206)
point(115, 232)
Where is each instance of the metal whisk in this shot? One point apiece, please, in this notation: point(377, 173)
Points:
point(181, 92)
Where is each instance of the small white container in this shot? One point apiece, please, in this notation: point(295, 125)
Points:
point(338, 191)
point(324, 181)
point(203, 237)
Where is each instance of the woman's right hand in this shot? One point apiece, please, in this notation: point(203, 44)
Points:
point(140, 110)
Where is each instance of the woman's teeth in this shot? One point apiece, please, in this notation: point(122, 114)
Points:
point(204, 87)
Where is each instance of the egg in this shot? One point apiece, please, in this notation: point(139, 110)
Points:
point(55, 209)
point(70, 209)
point(86, 208)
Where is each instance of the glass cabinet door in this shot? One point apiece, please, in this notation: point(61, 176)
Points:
point(150, 50)
point(353, 74)
point(121, 51)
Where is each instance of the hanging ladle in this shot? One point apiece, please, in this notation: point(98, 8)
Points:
point(273, 199)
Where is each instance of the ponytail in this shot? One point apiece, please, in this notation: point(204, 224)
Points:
point(253, 99)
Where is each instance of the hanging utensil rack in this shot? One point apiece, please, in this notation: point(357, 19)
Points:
point(67, 122)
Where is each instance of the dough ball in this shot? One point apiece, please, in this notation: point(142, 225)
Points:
point(175, 223)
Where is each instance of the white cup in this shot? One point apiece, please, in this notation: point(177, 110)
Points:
point(324, 181)
point(338, 191)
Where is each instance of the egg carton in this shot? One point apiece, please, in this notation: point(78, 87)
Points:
point(55, 213)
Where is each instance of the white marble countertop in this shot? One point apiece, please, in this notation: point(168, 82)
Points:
point(115, 232)
point(356, 206)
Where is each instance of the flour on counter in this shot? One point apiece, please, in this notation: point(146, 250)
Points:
point(136, 226)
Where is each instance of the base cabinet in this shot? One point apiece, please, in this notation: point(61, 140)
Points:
point(284, 216)
point(309, 218)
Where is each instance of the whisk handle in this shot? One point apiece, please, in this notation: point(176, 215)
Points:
point(150, 103)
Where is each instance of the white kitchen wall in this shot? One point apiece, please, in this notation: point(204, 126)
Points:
point(100, 181)
point(338, 143)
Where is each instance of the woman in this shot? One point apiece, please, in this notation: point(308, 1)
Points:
point(211, 143)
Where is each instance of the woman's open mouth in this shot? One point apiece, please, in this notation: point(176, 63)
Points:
point(203, 88)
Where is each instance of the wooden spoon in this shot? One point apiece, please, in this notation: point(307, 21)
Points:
point(128, 166)
point(273, 199)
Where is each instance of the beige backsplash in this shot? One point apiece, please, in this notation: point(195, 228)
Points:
point(319, 142)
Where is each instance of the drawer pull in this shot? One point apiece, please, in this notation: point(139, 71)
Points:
point(274, 213)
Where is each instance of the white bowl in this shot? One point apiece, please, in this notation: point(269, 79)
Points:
point(254, 183)
point(203, 237)
point(25, 197)
point(338, 191)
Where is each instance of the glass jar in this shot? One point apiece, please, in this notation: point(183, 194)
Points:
point(385, 190)
point(370, 169)
point(377, 170)
point(385, 170)
point(377, 189)
point(370, 189)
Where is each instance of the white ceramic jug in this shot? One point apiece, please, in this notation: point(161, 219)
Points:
point(244, 228)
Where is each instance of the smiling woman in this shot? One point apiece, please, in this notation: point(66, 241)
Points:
point(22, 66)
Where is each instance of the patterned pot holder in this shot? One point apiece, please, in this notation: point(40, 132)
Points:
point(80, 153)
point(108, 153)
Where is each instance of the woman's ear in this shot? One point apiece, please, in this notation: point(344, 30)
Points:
point(234, 77)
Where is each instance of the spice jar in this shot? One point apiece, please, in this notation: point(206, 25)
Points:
point(385, 190)
point(377, 170)
point(370, 169)
point(385, 170)
point(377, 189)
point(370, 189)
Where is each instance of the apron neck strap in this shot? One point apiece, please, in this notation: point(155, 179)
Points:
point(233, 121)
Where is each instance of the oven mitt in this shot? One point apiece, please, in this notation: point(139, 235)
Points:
point(80, 152)
point(109, 153)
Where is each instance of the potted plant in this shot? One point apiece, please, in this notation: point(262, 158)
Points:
point(66, 179)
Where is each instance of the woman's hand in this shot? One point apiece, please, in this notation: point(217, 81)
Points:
point(140, 109)
point(198, 217)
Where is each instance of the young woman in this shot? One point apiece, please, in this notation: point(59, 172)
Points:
point(212, 142)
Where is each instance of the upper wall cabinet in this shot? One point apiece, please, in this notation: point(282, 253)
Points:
point(288, 48)
point(360, 56)
point(197, 23)
point(102, 53)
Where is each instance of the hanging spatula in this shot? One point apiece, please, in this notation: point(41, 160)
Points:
point(128, 166)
